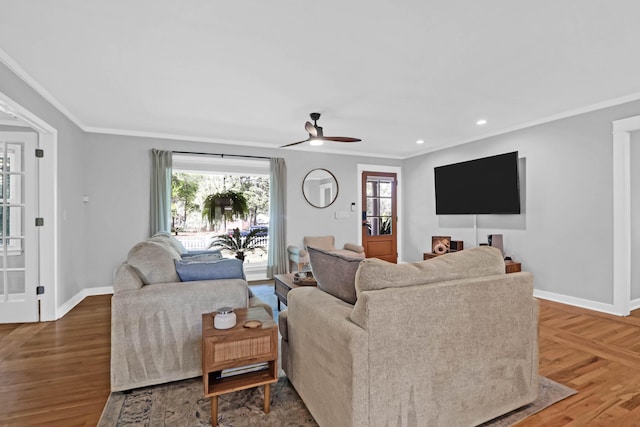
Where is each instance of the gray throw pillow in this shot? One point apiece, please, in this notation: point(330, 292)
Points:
point(335, 273)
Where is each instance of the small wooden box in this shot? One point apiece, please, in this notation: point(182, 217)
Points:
point(512, 266)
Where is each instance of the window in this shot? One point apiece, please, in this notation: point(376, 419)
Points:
point(11, 206)
point(195, 177)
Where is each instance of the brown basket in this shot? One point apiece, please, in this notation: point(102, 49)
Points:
point(307, 281)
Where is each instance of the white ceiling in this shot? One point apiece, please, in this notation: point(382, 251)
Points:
point(390, 73)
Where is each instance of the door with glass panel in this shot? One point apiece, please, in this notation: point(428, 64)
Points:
point(379, 217)
point(18, 235)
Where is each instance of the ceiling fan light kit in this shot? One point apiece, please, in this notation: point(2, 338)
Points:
point(316, 136)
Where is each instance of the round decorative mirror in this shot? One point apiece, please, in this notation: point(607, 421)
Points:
point(320, 188)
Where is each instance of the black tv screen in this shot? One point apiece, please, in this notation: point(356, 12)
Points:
point(489, 185)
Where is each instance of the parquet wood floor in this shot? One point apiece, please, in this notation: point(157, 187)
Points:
point(596, 354)
point(57, 373)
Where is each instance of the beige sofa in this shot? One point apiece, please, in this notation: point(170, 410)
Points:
point(156, 318)
point(299, 256)
point(450, 342)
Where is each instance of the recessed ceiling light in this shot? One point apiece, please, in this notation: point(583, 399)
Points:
point(481, 122)
point(420, 141)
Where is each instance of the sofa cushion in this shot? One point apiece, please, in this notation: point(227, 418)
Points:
point(335, 273)
point(166, 242)
point(481, 261)
point(177, 244)
point(153, 262)
point(320, 242)
point(226, 268)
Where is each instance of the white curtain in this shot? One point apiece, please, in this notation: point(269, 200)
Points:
point(277, 261)
point(161, 168)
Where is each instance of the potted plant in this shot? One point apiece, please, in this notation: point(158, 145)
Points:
point(238, 243)
point(225, 205)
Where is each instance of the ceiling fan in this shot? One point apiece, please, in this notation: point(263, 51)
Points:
point(316, 137)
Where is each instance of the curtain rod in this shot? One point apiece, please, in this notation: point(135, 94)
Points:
point(221, 155)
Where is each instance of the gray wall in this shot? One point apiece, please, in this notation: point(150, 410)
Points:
point(564, 235)
point(635, 215)
point(71, 183)
point(118, 182)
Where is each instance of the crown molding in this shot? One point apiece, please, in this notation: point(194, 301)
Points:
point(253, 144)
point(570, 113)
point(33, 83)
point(21, 73)
point(17, 123)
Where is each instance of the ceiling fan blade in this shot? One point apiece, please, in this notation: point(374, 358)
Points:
point(294, 143)
point(341, 139)
point(311, 129)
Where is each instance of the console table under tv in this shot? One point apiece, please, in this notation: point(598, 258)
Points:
point(510, 266)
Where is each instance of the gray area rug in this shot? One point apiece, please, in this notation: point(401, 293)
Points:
point(549, 392)
point(181, 404)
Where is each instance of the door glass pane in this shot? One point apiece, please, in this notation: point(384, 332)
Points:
point(379, 205)
point(385, 225)
point(372, 207)
point(370, 188)
point(15, 285)
point(12, 287)
point(12, 267)
point(3, 226)
point(14, 186)
point(385, 189)
point(374, 226)
point(385, 207)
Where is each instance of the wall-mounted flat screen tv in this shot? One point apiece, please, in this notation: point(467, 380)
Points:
point(489, 185)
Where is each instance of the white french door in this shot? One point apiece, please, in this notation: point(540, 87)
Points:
point(18, 231)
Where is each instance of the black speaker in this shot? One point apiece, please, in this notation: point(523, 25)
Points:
point(457, 245)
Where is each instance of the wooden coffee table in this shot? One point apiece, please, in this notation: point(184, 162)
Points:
point(226, 349)
point(283, 283)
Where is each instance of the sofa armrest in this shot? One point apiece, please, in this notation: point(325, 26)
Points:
point(125, 278)
point(209, 294)
point(297, 251)
point(353, 247)
point(283, 317)
point(328, 356)
point(156, 330)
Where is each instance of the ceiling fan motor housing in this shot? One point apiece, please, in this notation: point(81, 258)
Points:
point(317, 135)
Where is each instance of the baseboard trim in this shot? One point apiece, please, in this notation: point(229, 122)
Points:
point(551, 296)
point(77, 299)
point(579, 302)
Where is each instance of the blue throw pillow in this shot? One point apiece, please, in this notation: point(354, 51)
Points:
point(227, 268)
